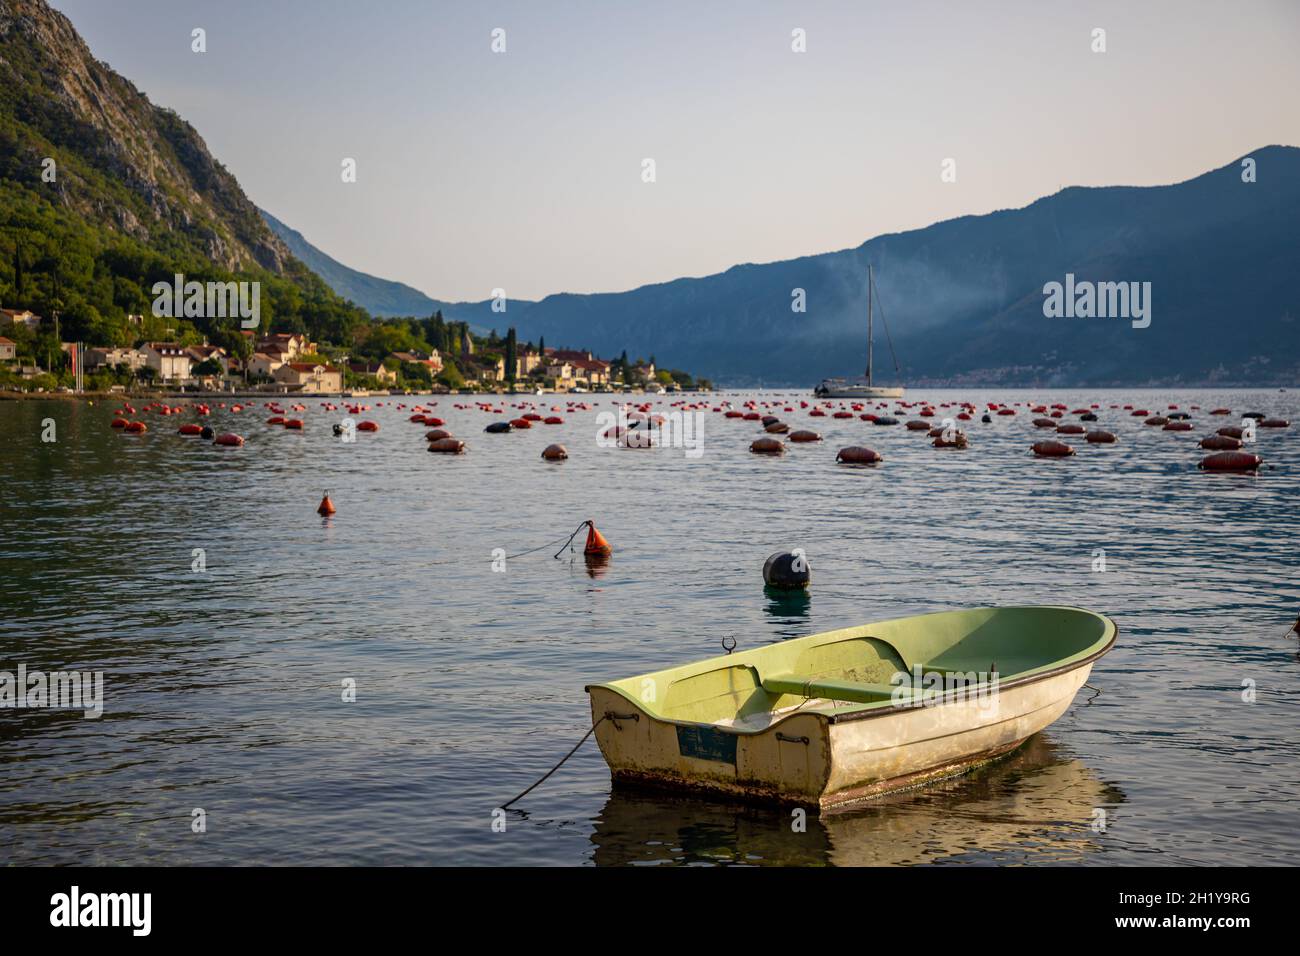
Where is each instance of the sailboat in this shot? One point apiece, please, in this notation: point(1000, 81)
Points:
point(864, 387)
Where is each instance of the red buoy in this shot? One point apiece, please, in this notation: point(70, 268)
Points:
point(555, 453)
point(447, 446)
point(190, 429)
point(1100, 437)
point(1051, 449)
point(1231, 461)
point(228, 438)
point(326, 506)
point(367, 426)
point(858, 455)
point(1221, 443)
point(767, 446)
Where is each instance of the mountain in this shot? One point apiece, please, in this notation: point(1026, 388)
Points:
point(378, 296)
point(386, 297)
point(964, 298)
point(123, 163)
point(102, 193)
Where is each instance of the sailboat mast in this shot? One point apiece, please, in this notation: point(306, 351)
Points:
point(870, 286)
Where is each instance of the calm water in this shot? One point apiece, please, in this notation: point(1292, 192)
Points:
point(224, 686)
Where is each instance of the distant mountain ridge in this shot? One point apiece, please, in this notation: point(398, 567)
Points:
point(963, 298)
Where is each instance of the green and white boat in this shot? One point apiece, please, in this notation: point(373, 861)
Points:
point(847, 715)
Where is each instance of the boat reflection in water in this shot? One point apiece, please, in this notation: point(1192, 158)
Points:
point(1032, 806)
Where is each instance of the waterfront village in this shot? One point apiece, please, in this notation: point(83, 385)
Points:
point(288, 362)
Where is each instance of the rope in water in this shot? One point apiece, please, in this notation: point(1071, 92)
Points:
point(561, 763)
point(541, 547)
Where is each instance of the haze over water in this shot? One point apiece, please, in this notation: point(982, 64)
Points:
point(223, 687)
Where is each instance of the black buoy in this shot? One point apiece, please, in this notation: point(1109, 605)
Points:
point(338, 429)
point(497, 428)
point(787, 570)
point(986, 419)
point(207, 432)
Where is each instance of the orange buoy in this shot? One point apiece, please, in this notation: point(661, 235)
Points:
point(1231, 461)
point(118, 423)
point(293, 423)
point(596, 543)
point(1100, 437)
point(447, 446)
point(1051, 449)
point(1274, 423)
point(776, 428)
point(958, 440)
point(229, 439)
point(555, 453)
point(1070, 429)
point(326, 507)
point(135, 427)
point(190, 429)
point(803, 435)
point(1177, 427)
point(858, 455)
point(437, 434)
point(553, 420)
point(1044, 423)
point(916, 425)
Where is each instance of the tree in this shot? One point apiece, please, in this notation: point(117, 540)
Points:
point(512, 356)
point(541, 345)
point(19, 282)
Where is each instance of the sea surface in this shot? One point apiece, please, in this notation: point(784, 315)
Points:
point(224, 685)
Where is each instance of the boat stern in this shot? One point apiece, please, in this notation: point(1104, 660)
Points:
point(787, 762)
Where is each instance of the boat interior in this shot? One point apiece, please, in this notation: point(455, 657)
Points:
point(871, 666)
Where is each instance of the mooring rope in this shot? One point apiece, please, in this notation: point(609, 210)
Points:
point(541, 547)
point(571, 537)
point(561, 763)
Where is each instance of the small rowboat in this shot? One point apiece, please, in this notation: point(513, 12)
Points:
point(844, 716)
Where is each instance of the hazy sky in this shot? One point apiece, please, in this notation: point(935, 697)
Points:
point(523, 169)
